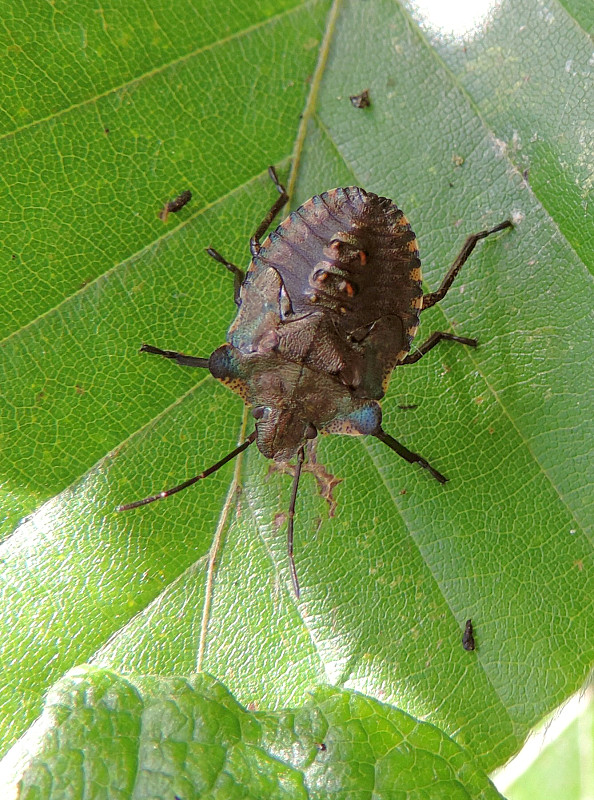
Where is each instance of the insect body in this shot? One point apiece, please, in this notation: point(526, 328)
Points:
point(328, 308)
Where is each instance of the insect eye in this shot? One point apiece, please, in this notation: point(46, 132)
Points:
point(310, 432)
point(260, 412)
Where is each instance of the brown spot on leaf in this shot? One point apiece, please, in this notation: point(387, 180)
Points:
point(279, 520)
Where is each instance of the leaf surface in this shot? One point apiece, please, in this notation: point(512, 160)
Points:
point(175, 737)
point(389, 579)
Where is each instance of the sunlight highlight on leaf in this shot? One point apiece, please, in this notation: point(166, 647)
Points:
point(456, 17)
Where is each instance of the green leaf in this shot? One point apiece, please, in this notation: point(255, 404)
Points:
point(116, 114)
point(557, 760)
point(105, 735)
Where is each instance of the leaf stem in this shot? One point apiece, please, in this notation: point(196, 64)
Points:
point(215, 549)
point(312, 98)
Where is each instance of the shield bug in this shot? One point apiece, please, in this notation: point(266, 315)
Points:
point(327, 309)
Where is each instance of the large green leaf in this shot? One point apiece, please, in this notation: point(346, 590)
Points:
point(102, 735)
point(114, 115)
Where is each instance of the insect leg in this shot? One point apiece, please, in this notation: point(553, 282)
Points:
point(434, 297)
point(408, 455)
point(168, 492)
point(435, 337)
point(255, 240)
point(186, 361)
point(238, 274)
point(300, 457)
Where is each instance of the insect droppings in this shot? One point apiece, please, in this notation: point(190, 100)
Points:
point(175, 205)
point(468, 636)
point(361, 100)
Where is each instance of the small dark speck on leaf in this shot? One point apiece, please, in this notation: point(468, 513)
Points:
point(175, 205)
point(468, 637)
point(361, 100)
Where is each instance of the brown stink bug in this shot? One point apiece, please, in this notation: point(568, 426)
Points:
point(328, 308)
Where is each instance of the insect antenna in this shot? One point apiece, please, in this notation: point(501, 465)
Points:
point(300, 458)
point(181, 358)
point(408, 455)
point(168, 492)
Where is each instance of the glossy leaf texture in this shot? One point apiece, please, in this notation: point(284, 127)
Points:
point(177, 737)
point(462, 132)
